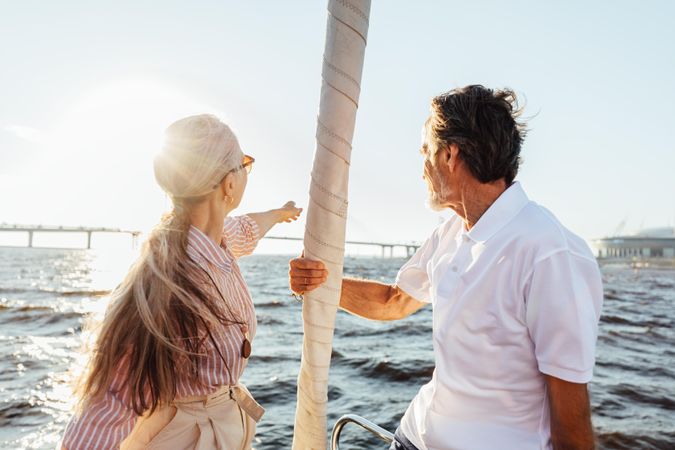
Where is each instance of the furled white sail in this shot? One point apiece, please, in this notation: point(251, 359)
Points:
point(346, 35)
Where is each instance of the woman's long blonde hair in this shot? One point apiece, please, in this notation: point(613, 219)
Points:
point(160, 316)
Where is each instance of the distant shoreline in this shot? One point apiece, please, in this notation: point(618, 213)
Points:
point(636, 263)
point(641, 263)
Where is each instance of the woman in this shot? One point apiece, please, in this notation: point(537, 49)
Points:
point(175, 339)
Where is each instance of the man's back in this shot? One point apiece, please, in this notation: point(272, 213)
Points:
point(516, 296)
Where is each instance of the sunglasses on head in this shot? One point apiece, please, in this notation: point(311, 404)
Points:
point(246, 164)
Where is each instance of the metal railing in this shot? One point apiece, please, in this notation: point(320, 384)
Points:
point(363, 423)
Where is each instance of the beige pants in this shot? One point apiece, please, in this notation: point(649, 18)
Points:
point(224, 420)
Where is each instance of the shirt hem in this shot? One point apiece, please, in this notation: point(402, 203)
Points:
point(408, 289)
point(573, 376)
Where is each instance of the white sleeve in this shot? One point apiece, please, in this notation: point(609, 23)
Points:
point(563, 304)
point(413, 277)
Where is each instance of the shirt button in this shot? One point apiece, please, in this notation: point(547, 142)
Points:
point(454, 268)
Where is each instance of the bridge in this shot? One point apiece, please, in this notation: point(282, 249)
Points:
point(410, 248)
point(386, 247)
point(32, 229)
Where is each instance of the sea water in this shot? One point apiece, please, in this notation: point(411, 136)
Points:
point(376, 367)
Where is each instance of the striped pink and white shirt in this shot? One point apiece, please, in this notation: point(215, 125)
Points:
point(106, 423)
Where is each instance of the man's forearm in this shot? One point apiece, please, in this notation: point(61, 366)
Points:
point(580, 437)
point(376, 301)
point(365, 298)
point(570, 410)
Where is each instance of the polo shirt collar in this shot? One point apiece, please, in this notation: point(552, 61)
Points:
point(505, 208)
point(204, 251)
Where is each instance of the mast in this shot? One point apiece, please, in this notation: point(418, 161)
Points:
point(346, 35)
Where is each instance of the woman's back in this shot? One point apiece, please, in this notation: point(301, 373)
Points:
point(221, 363)
point(178, 328)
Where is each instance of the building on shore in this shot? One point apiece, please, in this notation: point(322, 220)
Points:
point(655, 243)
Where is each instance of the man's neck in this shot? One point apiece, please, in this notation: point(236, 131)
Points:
point(476, 199)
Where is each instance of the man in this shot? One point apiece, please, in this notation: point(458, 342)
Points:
point(516, 297)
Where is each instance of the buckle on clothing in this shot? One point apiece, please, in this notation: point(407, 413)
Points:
point(247, 403)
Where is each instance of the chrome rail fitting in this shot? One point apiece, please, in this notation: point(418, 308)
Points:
point(366, 424)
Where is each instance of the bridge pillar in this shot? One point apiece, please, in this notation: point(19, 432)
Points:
point(385, 248)
point(89, 239)
point(30, 239)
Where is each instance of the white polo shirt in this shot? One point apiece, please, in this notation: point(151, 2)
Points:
point(516, 296)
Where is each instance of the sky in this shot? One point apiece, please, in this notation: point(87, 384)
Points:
point(87, 89)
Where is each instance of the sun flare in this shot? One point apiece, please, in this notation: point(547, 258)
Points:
point(101, 151)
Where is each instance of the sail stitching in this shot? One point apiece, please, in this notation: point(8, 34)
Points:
point(316, 325)
point(341, 92)
point(313, 200)
point(316, 298)
point(335, 136)
point(334, 247)
point(337, 19)
point(303, 371)
point(341, 72)
point(329, 288)
point(327, 192)
point(353, 8)
point(334, 153)
point(316, 256)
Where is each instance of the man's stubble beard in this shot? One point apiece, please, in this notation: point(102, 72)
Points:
point(433, 202)
point(436, 200)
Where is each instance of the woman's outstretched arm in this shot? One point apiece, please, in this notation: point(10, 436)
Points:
point(266, 220)
point(241, 234)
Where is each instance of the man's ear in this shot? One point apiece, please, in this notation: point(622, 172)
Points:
point(451, 155)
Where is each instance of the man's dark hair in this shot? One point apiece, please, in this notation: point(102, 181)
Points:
point(484, 125)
